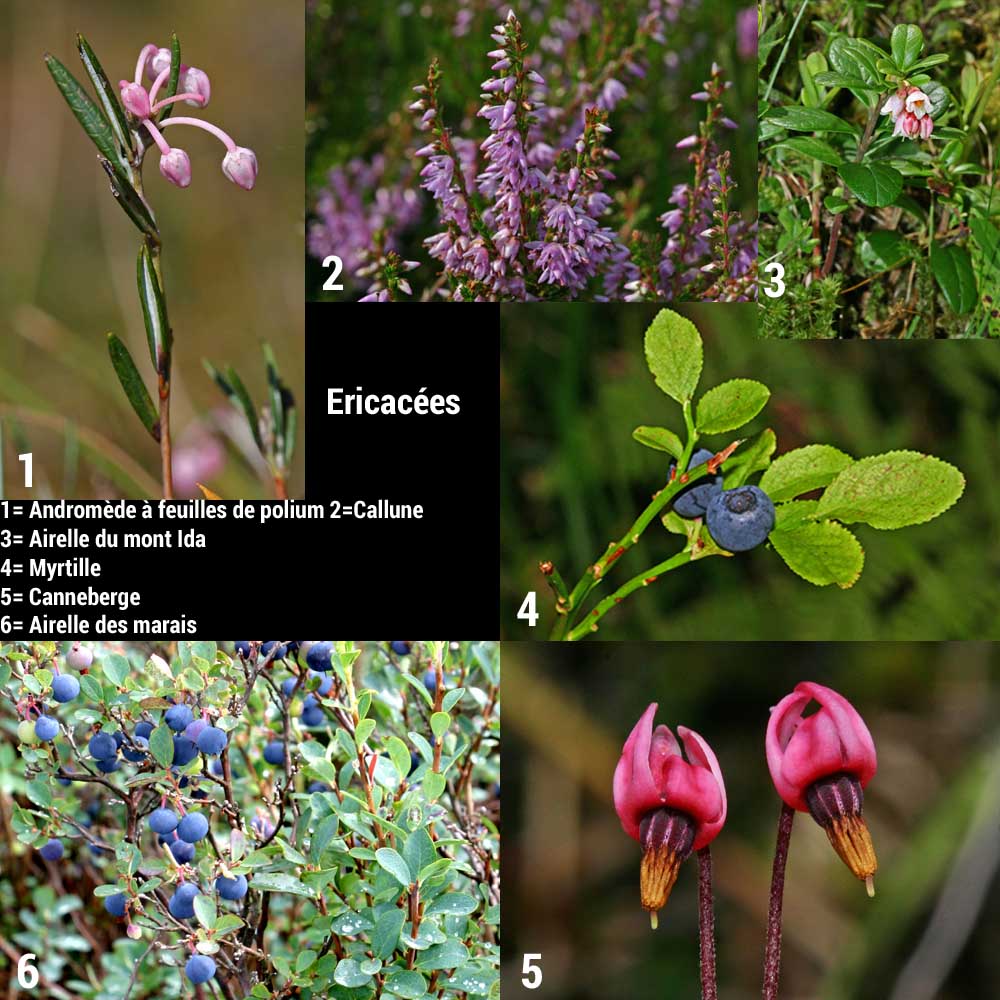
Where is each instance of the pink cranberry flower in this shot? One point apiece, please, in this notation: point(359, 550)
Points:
point(820, 764)
point(670, 805)
point(910, 109)
point(194, 88)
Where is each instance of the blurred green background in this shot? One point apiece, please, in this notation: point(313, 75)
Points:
point(571, 881)
point(364, 59)
point(575, 385)
point(232, 259)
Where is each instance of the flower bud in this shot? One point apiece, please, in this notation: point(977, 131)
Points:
point(134, 931)
point(176, 167)
point(135, 99)
point(195, 81)
point(240, 166)
point(157, 62)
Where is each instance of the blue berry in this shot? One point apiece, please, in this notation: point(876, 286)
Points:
point(138, 755)
point(318, 657)
point(65, 687)
point(194, 729)
point(163, 821)
point(115, 905)
point(46, 728)
point(144, 729)
point(400, 648)
point(274, 752)
point(430, 681)
point(280, 652)
point(109, 766)
point(313, 717)
point(184, 751)
point(317, 786)
point(51, 850)
point(212, 741)
point(178, 717)
point(287, 687)
point(325, 685)
point(182, 851)
point(181, 903)
point(192, 827)
point(694, 499)
point(243, 648)
point(232, 888)
point(199, 969)
point(102, 746)
point(119, 737)
point(740, 519)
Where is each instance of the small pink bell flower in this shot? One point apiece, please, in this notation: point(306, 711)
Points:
point(135, 99)
point(910, 109)
point(820, 764)
point(240, 166)
point(175, 165)
point(670, 805)
point(195, 81)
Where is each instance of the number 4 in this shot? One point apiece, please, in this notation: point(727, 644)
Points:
point(532, 970)
point(527, 612)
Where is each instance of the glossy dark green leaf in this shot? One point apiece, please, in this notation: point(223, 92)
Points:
point(154, 310)
point(130, 200)
point(131, 381)
point(175, 75)
point(108, 97)
point(856, 58)
point(801, 119)
point(875, 184)
point(952, 267)
point(88, 114)
point(883, 249)
point(813, 148)
point(907, 43)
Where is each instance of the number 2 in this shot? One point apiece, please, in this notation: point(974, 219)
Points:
point(330, 285)
point(778, 273)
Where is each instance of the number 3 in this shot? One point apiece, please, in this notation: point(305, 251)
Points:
point(778, 273)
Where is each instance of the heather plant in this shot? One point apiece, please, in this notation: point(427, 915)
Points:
point(877, 190)
point(800, 505)
point(527, 203)
point(125, 124)
point(251, 819)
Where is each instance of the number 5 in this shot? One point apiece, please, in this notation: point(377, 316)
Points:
point(778, 273)
point(532, 971)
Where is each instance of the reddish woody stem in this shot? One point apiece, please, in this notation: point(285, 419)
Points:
point(772, 951)
point(706, 925)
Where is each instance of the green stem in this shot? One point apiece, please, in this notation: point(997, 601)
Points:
point(642, 580)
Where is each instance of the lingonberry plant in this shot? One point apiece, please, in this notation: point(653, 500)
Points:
point(672, 801)
point(801, 503)
point(867, 132)
point(199, 829)
point(525, 196)
point(124, 125)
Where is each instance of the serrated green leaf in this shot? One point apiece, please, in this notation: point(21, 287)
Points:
point(952, 267)
point(892, 490)
point(659, 439)
point(875, 184)
point(750, 458)
point(88, 114)
point(794, 512)
point(133, 386)
point(812, 148)
point(803, 469)
point(821, 552)
point(906, 43)
point(392, 861)
point(107, 95)
point(730, 405)
point(154, 310)
point(386, 934)
point(161, 745)
point(674, 354)
point(799, 119)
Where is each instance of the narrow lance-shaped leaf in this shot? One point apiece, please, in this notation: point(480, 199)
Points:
point(246, 403)
point(175, 75)
point(219, 379)
point(135, 389)
point(154, 311)
point(130, 200)
point(88, 114)
point(275, 398)
point(291, 425)
point(108, 97)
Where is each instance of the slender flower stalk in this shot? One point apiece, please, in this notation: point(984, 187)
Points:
point(772, 949)
point(706, 926)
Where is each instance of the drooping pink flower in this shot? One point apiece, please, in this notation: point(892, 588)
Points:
point(820, 764)
point(175, 165)
point(910, 109)
point(240, 166)
point(670, 805)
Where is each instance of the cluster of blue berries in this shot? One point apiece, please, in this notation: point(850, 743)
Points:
point(738, 520)
point(65, 687)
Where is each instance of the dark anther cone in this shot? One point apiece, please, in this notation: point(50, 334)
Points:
point(836, 803)
point(666, 838)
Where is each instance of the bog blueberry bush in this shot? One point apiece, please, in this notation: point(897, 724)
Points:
point(877, 192)
point(800, 504)
point(177, 826)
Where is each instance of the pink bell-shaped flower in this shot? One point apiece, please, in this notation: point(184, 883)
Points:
point(195, 81)
point(820, 764)
point(135, 98)
point(176, 167)
point(670, 805)
point(240, 166)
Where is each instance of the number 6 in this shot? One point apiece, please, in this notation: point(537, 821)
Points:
point(27, 974)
